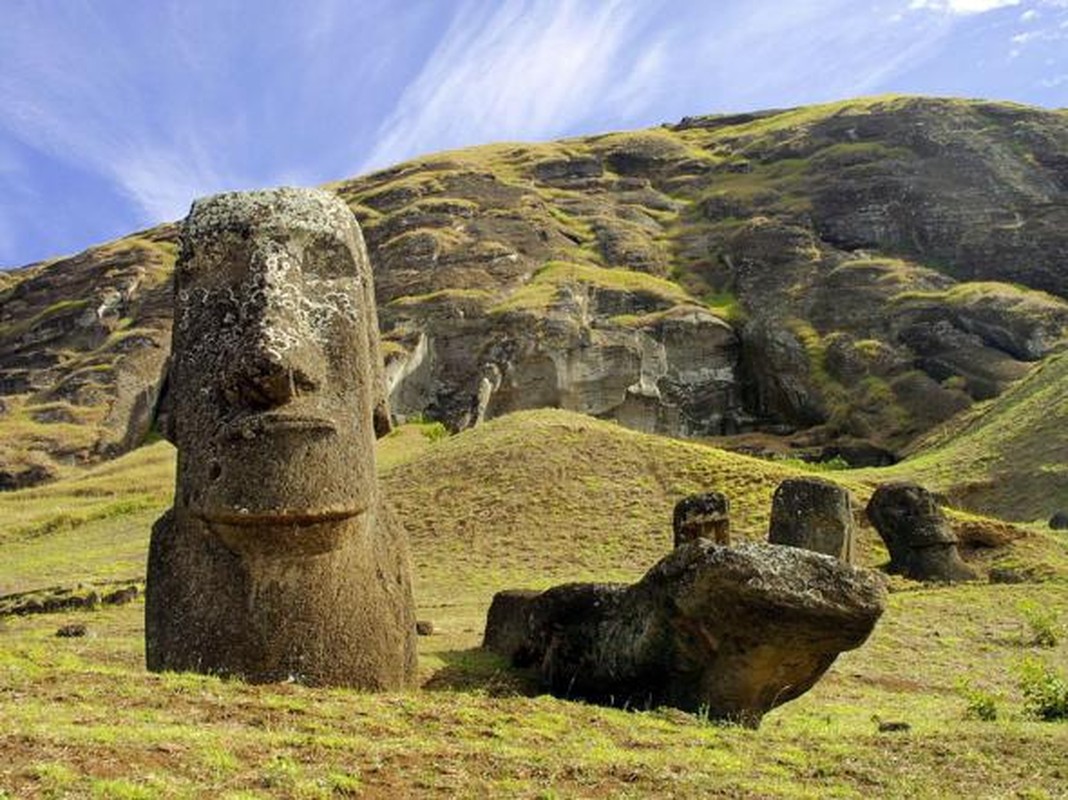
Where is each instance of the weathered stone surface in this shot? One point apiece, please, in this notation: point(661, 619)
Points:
point(1008, 575)
point(815, 515)
point(279, 559)
point(1059, 521)
point(727, 631)
point(670, 371)
point(921, 543)
point(506, 621)
point(702, 516)
point(28, 475)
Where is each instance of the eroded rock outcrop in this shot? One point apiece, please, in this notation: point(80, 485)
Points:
point(279, 559)
point(852, 274)
point(652, 362)
point(727, 631)
point(921, 543)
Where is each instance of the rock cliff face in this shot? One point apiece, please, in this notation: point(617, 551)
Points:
point(83, 349)
point(855, 271)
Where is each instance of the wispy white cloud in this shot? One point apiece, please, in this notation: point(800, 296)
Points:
point(159, 102)
point(180, 98)
point(807, 52)
point(93, 112)
point(1043, 35)
point(534, 69)
point(516, 69)
point(962, 7)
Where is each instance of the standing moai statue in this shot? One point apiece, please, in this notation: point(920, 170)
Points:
point(279, 559)
point(922, 546)
point(702, 516)
point(813, 514)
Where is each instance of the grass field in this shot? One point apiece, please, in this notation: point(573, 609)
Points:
point(528, 500)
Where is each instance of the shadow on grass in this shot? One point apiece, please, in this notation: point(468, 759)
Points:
point(478, 670)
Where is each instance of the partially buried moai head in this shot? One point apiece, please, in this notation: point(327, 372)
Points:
point(272, 378)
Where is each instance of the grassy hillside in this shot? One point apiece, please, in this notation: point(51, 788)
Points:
point(527, 500)
point(541, 493)
point(1005, 457)
point(883, 263)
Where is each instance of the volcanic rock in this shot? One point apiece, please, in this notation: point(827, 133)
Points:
point(730, 632)
point(922, 545)
point(815, 515)
point(279, 559)
point(702, 516)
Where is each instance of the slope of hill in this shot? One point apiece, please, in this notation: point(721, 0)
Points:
point(861, 270)
point(526, 500)
point(563, 493)
point(1007, 456)
point(548, 493)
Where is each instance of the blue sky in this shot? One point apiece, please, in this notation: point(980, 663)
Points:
point(115, 114)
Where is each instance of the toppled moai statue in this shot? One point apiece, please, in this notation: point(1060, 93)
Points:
point(730, 632)
point(922, 545)
point(702, 516)
point(506, 621)
point(279, 559)
point(813, 514)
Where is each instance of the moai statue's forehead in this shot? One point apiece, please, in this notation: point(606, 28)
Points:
point(285, 264)
point(282, 210)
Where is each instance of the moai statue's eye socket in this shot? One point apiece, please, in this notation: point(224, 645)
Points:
point(329, 257)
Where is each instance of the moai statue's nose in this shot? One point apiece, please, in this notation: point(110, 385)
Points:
point(263, 379)
point(279, 357)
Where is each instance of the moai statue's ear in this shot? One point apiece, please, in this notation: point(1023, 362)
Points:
point(383, 423)
point(164, 421)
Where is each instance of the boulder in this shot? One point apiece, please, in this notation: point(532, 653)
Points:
point(702, 516)
point(1059, 521)
point(280, 559)
point(922, 545)
point(813, 514)
point(730, 632)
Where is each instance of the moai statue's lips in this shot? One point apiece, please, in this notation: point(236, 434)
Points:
point(245, 518)
point(271, 422)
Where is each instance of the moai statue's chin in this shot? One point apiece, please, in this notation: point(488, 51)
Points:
point(279, 559)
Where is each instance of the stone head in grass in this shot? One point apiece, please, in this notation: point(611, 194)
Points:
point(279, 559)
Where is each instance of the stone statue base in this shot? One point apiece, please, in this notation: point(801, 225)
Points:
point(321, 617)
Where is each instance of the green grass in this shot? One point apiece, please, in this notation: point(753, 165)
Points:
point(532, 499)
point(19, 327)
point(475, 295)
point(653, 144)
point(1004, 456)
point(1028, 303)
point(539, 293)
